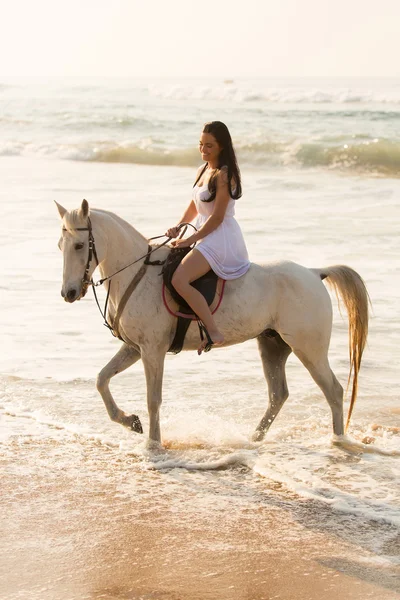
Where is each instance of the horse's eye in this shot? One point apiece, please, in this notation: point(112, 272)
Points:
point(79, 246)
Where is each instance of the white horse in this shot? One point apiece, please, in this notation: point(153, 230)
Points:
point(282, 304)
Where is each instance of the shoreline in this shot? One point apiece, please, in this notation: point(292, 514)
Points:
point(67, 538)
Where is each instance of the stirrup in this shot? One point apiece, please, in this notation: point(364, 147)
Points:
point(204, 334)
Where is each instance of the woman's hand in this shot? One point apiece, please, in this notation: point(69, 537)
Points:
point(172, 232)
point(183, 243)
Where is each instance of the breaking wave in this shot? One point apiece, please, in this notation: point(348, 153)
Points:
point(376, 156)
point(230, 91)
point(361, 155)
point(371, 156)
point(143, 156)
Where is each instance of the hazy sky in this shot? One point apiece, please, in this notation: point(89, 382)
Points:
point(187, 37)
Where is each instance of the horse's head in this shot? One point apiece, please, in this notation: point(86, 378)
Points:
point(79, 262)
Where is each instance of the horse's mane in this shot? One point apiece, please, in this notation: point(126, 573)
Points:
point(73, 219)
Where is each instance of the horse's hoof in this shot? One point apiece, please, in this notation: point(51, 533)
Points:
point(258, 436)
point(155, 446)
point(135, 424)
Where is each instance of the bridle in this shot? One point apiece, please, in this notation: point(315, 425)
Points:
point(91, 252)
point(86, 282)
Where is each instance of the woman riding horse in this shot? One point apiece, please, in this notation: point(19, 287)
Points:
point(220, 244)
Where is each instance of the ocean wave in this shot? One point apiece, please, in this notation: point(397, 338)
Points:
point(372, 156)
point(85, 122)
point(105, 152)
point(312, 487)
point(14, 121)
point(275, 95)
point(143, 156)
point(12, 149)
point(357, 154)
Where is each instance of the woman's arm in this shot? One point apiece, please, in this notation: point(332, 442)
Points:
point(187, 217)
point(215, 219)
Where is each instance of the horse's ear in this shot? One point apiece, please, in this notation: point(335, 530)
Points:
point(61, 209)
point(84, 210)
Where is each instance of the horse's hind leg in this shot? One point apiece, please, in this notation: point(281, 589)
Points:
point(125, 357)
point(325, 378)
point(274, 353)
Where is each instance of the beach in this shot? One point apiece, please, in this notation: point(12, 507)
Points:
point(69, 537)
point(88, 509)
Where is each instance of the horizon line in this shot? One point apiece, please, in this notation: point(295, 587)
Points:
point(226, 78)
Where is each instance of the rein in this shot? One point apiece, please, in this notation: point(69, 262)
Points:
point(135, 281)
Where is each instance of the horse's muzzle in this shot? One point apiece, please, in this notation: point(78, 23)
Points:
point(74, 293)
point(71, 295)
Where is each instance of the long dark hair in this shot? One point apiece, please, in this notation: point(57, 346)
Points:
point(227, 158)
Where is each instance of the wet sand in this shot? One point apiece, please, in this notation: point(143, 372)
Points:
point(125, 537)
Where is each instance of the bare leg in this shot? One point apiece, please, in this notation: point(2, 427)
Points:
point(125, 357)
point(193, 266)
point(153, 362)
point(274, 353)
point(325, 378)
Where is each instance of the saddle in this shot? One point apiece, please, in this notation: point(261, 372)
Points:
point(209, 285)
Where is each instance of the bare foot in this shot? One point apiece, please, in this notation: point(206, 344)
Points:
point(217, 340)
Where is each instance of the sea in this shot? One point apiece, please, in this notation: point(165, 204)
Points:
point(320, 165)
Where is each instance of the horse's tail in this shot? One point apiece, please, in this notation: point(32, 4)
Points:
point(351, 290)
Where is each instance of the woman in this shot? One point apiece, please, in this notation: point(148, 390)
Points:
point(220, 244)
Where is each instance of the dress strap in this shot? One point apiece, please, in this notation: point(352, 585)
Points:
point(199, 177)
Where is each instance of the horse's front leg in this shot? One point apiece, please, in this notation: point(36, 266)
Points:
point(125, 357)
point(153, 362)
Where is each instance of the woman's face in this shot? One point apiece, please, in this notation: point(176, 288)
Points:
point(209, 148)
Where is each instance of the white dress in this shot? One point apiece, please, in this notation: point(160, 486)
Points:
point(224, 248)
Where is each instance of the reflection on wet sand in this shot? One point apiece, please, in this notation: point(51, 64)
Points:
point(151, 535)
